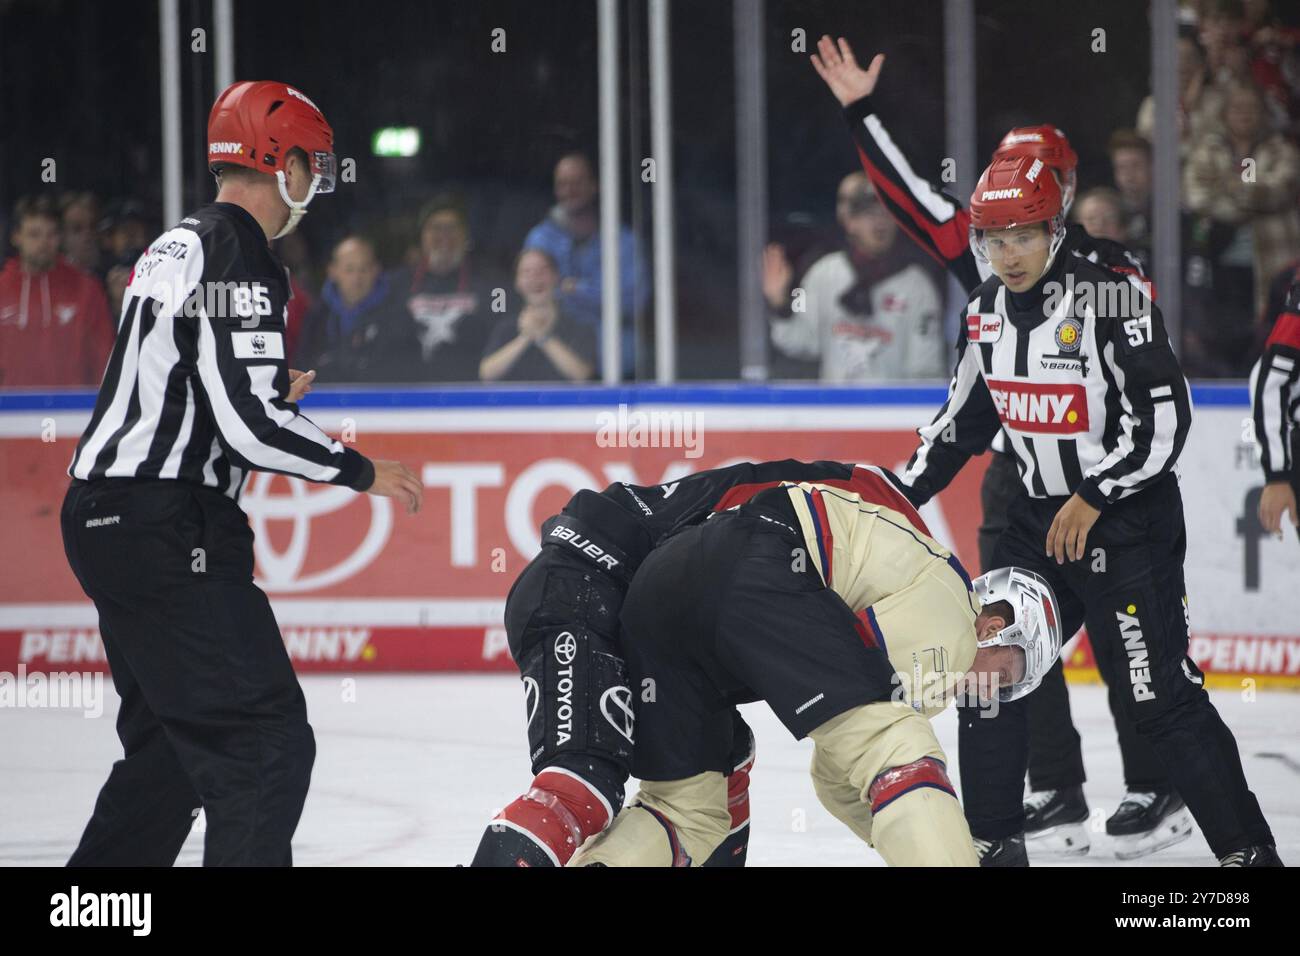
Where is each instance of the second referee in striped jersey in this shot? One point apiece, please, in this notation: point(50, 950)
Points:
point(1150, 816)
point(196, 395)
point(1075, 365)
point(1275, 401)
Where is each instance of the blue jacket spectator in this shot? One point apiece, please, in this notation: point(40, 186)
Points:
point(570, 235)
point(360, 330)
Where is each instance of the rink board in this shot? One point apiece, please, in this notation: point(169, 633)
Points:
point(358, 586)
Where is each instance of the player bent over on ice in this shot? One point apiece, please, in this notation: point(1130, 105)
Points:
point(816, 600)
point(562, 622)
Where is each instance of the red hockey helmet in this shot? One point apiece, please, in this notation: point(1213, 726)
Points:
point(255, 124)
point(1013, 191)
point(1051, 146)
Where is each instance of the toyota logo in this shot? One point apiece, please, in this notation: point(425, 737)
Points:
point(532, 696)
point(282, 570)
point(622, 718)
point(566, 649)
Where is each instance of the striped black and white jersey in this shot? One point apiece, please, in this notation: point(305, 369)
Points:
point(1275, 391)
point(1083, 382)
point(940, 224)
point(195, 386)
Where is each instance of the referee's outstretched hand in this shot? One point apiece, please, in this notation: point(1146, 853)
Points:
point(1275, 501)
point(300, 383)
point(395, 480)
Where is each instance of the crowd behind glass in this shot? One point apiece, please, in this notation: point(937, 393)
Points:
point(439, 312)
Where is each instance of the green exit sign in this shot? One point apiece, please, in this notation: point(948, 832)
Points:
point(395, 141)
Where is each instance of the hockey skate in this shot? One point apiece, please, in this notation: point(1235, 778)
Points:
point(1009, 851)
point(1252, 856)
point(1148, 822)
point(1056, 822)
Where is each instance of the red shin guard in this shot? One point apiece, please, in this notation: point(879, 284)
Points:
point(558, 813)
point(738, 794)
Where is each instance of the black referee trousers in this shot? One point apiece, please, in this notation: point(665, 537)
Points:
point(212, 714)
point(1129, 590)
point(1055, 750)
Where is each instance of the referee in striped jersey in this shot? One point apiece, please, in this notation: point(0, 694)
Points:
point(196, 395)
point(1275, 401)
point(1075, 367)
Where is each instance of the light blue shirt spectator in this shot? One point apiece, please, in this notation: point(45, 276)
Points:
point(570, 235)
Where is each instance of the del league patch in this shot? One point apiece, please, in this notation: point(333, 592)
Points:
point(983, 326)
point(1069, 335)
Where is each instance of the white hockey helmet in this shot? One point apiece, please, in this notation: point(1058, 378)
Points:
point(1036, 629)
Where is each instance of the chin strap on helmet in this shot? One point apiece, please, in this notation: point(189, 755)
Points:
point(296, 209)
point(1056, 232)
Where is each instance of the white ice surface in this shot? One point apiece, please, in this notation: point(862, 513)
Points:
point(410, 772)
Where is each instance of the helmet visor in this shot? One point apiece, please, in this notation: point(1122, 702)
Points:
point(995, 245)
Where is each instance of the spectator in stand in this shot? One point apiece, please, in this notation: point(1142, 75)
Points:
point(449, 294)
point(116, 279)
point(1245, 179)
point(54, 324)
point(1199, 99)
point(1275, 63)
point(123, 234)
point(1100, 211)
point(295, 254)
point(360, 330)
point(868, 311)
point(570, 235)
point(543, 343)
point(1223, 37)
point(81, 216)
point(295, 313)
point(1130, 162)
point(126, 228)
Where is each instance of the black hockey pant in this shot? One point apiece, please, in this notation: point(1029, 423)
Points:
point(1055, 753)
point(1129, 590)
point(212, 714)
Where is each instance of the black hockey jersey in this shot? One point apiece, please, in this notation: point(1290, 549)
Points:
point(615, 529)
point(667, 507)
